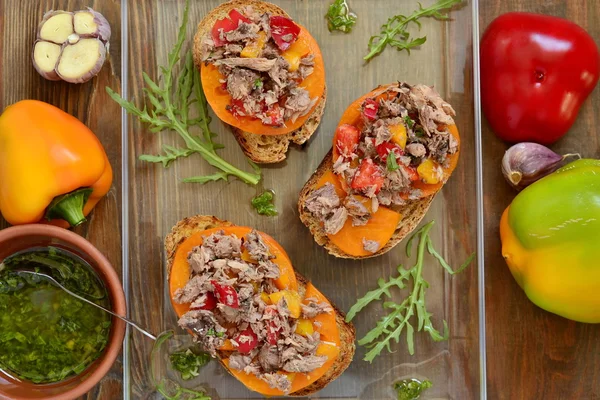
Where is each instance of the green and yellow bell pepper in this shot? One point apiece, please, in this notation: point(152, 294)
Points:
point(551, 241)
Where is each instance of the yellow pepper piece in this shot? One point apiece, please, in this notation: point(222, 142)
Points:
point(399, 135)
point(304, 327)
point(253, 49)
point(292, 300)
point(265, 297)
point(430, 172)
point(293, 55)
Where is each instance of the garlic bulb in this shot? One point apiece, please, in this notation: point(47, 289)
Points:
point(525, 163)
point(71, 46)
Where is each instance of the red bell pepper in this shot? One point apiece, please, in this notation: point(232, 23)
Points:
point(536, 71)
point(227, 24)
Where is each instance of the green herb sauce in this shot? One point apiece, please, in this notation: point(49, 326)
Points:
point(411, 389)
point(46, 335)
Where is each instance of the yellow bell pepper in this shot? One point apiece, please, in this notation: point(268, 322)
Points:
point(292, 298)
point(399, 135)
point(51, 166)
point(304, 327)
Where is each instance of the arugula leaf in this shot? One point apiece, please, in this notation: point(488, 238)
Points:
point(399, 316)
point(188, 363)
point(339, 17)
point(263, 203)
point(391, 163)
point(171, 111)
point(394, 32)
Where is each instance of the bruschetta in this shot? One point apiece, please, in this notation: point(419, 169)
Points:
point(263, 74)
point(393, 150)
point(235, 290)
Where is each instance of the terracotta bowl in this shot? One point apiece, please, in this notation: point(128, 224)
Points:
point(23, 237)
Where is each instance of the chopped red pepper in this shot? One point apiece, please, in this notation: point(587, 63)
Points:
point(386, 148)
point(209, 304)
point(227, 24)
point(246, 340)
point(369, 109)
point(412, 173)
point(284, 31)
point(274, 115)
point(237, 107)
point(369, 175)
point(346, 139)
point(226, 294)
point(272, 330)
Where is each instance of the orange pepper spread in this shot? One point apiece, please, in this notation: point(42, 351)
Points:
point(272, 296)
point(377, 127)
point(266, 83)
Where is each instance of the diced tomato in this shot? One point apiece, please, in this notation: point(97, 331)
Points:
point(386, 148)
point(282, 27)
point(369, 109)
point(227, 24)
point(246, 340)
point(226, 294)
point(369, 175)
point(346, 139)
point(209, 304)
point(412, 173)
point(274, 114)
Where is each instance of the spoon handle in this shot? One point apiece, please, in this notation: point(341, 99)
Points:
point(108, 311)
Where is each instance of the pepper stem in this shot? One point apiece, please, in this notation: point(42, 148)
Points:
point(69, 206)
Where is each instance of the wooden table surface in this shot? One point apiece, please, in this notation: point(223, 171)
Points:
point(530, 353)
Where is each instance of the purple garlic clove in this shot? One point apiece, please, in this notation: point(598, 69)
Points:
point(525, 163)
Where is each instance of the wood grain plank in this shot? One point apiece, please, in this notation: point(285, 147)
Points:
point(532, 353)
point(88, 102)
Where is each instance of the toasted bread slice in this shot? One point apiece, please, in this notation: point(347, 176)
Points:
point(189, 226)
point(412, 213)
point(262, 149)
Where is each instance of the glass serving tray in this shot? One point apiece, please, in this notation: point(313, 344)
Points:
point(155, 199)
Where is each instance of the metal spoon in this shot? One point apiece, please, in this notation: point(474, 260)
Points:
point(55, 283)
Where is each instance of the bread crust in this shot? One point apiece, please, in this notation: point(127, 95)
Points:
point(191, 225)
point(412, 213)
point(261, 149)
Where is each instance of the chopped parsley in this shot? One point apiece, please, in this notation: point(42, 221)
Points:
point(263, 203)
point(188, 363)
point(339, 17)
point(409, 122)
point(411, 389)
point(212, 332)
point(258, 83)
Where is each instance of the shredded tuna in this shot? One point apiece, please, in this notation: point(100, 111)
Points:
point(268, 358)
point(305, 364)
point(256, 247)
point(370, 245)
point(334, 222)
point(357, 210)
point(277, 381)
point(256, 64)
point(312, 309)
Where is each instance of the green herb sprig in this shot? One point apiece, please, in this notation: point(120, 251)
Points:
point(394, 32)
point(171, 111)
point(399, 316)
point(339, 17)
point(263, 204)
